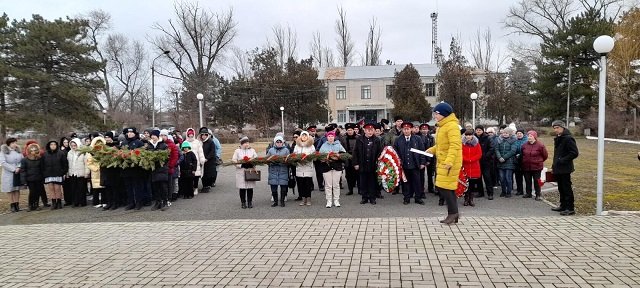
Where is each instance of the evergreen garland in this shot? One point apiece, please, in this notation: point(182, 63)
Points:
point(110, 157)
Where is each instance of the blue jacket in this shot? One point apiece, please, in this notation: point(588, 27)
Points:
point(332, 165)
point(506, 149)
point(216, 142)
point(278, 173)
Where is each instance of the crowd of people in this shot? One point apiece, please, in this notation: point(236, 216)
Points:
point(489, 157)
point(59, 171)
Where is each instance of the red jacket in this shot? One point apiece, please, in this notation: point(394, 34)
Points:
point(471, 155)
point(533, 156)
point(174, 155)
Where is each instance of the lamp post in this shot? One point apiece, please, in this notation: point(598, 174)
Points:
point(153, 85)
point(200, 98)
point(282, 117)
point(104, 117)
point(474, 96)
point(602, 45)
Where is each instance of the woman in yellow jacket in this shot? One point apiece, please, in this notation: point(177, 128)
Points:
point(448, 151)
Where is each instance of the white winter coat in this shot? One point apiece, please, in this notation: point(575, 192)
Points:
point(77, 161)
point(196, 147)
point(10, 161)
point(238, 155)
point(305, 170)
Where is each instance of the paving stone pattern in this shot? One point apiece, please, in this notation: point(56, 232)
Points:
point(350, 252)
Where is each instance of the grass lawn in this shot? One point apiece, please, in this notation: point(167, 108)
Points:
point(621, 186)
point(621, 176)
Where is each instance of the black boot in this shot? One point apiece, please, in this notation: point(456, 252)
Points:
point(244, 205)
point(441, 202)
point(466, 199)
point(250, 204)
point(282, 199)
point(17, 206)
point(54, 204)
point(164, 205)
point(13, 207)
point(157, 205)
point(490, 196)
point(275, 199)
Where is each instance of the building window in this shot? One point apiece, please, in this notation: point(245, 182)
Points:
point(431, 89)
point(341, 92)
point(389, 91)
point(342, 116)
point(366, 92)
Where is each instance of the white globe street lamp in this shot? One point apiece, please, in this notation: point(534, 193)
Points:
point(104, 116)
point(282, 117)
point(474, 97)
point(603, 45)
point(200, 98)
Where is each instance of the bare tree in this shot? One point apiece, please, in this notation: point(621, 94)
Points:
point(100, 22)
point(539, 18)
point(285, 41)
point(344, 42)
point(373, 47)
point(127, 61)
point(322, 55)
point(239, 63)
point(197, 39)
point(484, 54)
point(124, 72)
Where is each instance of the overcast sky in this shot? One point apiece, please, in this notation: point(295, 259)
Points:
point(406, 25)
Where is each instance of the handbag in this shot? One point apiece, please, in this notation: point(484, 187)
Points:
point(251, 175)
point(17, 181)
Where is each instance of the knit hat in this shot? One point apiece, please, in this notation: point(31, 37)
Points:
point(331, 133)
point(508, 130)
point(480, 127)
point(164, 132)
point(203, 130)
point(244, 139)
point(304, 133)
point(443, 108)
point(558, 123)
point(278, 138)
point(520, 130)
point(491, 130)
point(155, 133)
point(108, 135)
point(396, 118)
point(185, 144)
point(534, 134)
point(191, 131)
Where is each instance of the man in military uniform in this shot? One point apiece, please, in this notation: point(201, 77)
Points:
point(412, 163)
point(349, 143)
point(365, 157)
point(427, 141)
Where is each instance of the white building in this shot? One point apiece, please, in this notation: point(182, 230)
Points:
point(362, 92)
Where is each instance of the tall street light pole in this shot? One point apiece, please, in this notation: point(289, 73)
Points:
point(104, 117)
point(603, 45)
point(153, 85)
point(200, 98)
point(282, 117)
point(474, 97)
point(569, 93)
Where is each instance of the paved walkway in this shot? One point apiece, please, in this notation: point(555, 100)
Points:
point(224, 203)
point(349, 252)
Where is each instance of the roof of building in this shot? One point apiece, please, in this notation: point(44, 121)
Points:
point(373, 72)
